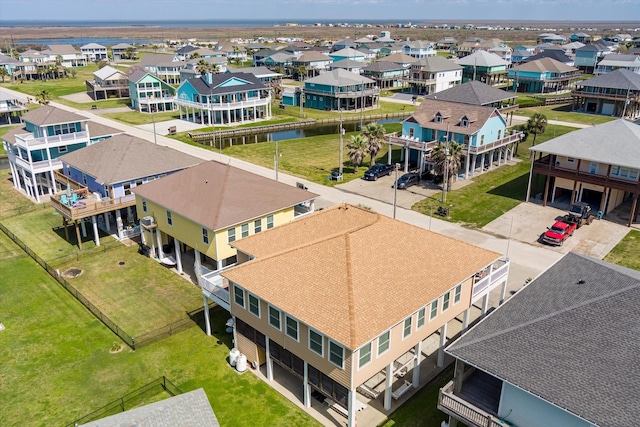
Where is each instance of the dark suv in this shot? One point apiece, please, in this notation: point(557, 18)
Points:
point(376, 171)
point(407, 180)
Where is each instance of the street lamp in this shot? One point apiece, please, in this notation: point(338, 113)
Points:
point(445, 180)
point(153, 119)
point(395, 189)
point(341, 145)
point(275, 159)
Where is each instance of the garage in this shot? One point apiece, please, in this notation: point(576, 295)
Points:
point(607, 109)
point(593, 197)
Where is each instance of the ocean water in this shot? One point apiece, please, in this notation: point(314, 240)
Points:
point(246, 23)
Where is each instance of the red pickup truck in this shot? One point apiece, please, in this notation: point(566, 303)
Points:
point(558, 232)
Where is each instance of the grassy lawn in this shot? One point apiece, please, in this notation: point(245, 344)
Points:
point(421, 409)
point(564, 113)
point(57, 87)
point(135, 118)
point(57, 366)
point(491, 194)
point(627, 252)
point(310, 158)
point(310, 113)
point(13, 203)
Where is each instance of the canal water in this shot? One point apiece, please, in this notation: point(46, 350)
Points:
point(293, 133)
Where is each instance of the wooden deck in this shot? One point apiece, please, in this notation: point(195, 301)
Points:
point(89, 206)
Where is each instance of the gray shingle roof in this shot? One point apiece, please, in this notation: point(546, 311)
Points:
point(482, 58)
point(125, 158)
point(558, 55)
point(617, 79)
point(184, 410)
point(472, 92)
point(339, 77)
point(573, 344)
point(615, 143)
point(48, 115)
point(217, 80)
point(346, 63)
point(380, 66)
point(437, 64)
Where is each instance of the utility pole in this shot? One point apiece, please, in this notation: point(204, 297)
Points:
point(341, 144)
point(275, 160)
point(445, 181)
point(395, 189)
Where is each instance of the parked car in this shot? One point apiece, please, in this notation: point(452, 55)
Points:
point(559, 232)
point(407, 180)
point(377, 171)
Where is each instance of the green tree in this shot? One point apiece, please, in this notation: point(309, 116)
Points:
point(447, 157)
point(373, 133)
point(203, 67)
point(43, 97)
point(357, 150)
point(130, 53)
point(302, 72)
point(536, 125)
point(3, 73)
point(525, 131)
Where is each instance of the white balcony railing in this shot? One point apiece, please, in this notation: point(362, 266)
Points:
point(223, 106)
point(215, 288)
point(29, 141)
point(38, 167)
point(493, 276)
point(466, 412)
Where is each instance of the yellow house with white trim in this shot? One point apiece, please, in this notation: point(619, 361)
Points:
point(199, 211)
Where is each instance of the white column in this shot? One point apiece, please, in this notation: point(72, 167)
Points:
point(118, 224)
point(416, 364)
point(53, 183)
point(96, 235)
point(503, 292)
point(387, 387)
point(207, 322)
point(176, 245)
point(269, 361)
point(485, 304)
point(83, 228)
point(197, 266)
point(465, 319)
point(389, 154)
point(35, 187)
point(27, 187)
point(466, 166)
point(351, 408)
point(406, 160)
point(159, 239)
point(306, 389)
point(153, 245)
point(107, 223)
point(443, 342)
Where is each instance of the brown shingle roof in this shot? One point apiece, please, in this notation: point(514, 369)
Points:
point(48, 115)
point(125, 157)
point(545, 64)
point(217, 196)
point(352, 273)
point(453, 112)
point(96, 130)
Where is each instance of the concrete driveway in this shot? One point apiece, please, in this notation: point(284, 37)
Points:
point(162, 128)
point(527, 221)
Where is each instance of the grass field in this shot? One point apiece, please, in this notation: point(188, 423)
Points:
point(57, 366)
point(564, 113)
point(627, 252)
point(311, 158)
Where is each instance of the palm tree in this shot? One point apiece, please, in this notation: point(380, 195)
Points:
point(203, 67)
point(214, 68)
point(357, 149)
point(536, 125)
point(3, 73)
point(373, 133)
point(302, 72)
point(43, 97)
point(452, 162)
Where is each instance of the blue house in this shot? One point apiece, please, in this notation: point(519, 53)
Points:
point(48, 133)
point(149, 93)
point(232, 98)
point(348, 53)
point(386, 74)
point(480, 130)
point(340, 90)
point(543, 76)
point(557, 353)
point(99, 179)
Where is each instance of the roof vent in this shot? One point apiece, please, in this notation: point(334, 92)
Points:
point(581, 282)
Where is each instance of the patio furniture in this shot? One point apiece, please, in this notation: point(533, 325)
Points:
point(168, 261)
point(401, 390)
point(64, 200)
point(74, 198)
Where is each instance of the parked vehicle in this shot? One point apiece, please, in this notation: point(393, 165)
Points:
point(377, 171)
point(559, 232)
point(579, 214)
point(407, 180)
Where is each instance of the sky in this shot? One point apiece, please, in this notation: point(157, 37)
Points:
point(290, 10)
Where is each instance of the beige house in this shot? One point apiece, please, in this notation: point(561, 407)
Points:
point(344, 298)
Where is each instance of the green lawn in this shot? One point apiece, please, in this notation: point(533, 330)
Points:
point(493, 193)
point(564, 113)
point(135, 118)
point(57, 366)
point(11, 202)
point(310, 113)
point(627, 252)
point(310, 158)
point(56, 87)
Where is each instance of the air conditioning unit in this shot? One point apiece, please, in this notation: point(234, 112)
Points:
point(147, 221)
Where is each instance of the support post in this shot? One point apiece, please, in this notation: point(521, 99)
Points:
point(465, 319)
point(387, 387)
point(96, 235)
point(269, 361)
point(443, 342)
point(207, 323)
point(485, 303)
point(176, 246)
point(416, 364)
point(306, 389)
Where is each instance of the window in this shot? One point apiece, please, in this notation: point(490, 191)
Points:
point(316, 342)
point(292, 327)
point(169, 219)
point(407, 327)
point(238, 295)
point(481, 139)
point(274, 317)
point(421, 316)
point(231, 235)
point(464, 123)
point(434, 310)
point(383, 342)
point(245, 230)
point(254, 305)
point(570, 160)
point(269, 222)
point(144, 206)
point(84, 178)
point(62, 149)
point(623, 172)
point(365, 355)
point(438, 118)
point(445, 301)
point(205, 236)
point(457, 294)
point(257, 226)
point(127, 188)
point(336, 354)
